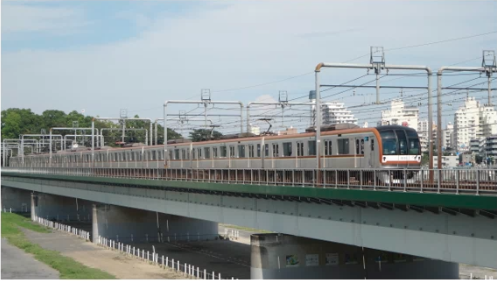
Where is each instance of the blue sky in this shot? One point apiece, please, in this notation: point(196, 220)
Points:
point(106, 55)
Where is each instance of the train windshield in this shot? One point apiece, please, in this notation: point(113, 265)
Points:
point(414, 146)
point(400, 142)
point(389, 141)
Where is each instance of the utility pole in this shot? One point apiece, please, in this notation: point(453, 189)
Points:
point(123, 115)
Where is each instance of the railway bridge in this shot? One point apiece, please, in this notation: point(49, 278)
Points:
point(337, 223)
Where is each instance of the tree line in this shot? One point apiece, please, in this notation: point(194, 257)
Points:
point(16, 122)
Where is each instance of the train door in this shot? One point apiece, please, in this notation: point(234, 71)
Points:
point(299, 154)
point(372, 152)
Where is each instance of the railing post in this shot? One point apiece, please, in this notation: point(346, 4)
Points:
point(421, 183)
point(348, 179)
point(457, 181)
point(360, 178)
point(390, 180)
point(374, 180)
point(439, 181)
point(405, 180)
point(477, 182)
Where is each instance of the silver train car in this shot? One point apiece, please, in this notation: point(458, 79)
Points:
point(368, 148)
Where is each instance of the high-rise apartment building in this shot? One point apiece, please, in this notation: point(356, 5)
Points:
point(336, 113)
point(473, 121)
point(399, 114)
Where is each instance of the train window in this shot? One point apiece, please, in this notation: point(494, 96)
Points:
point(124, 156)
point(183, 153)
point(223, 151)
point(287, 149)
point(328, 147)
point(214, 152)
point(251, 151)
point(154, 155)
point(357, 147)
point(171, 155)
point(276, 150)
point(194, 155)
point(402, 139)
point(161, 155)
point(258, 150)
point(414, 148)
point(311, 147)
point(300, 149)
point(200, 153)
point(207, 152)
point(389, 141)
point(372, 144)
point(343, 146)
point(362, 146)
point(266, 149)
point(176, 154)
point(241, 151)
point(232, 151)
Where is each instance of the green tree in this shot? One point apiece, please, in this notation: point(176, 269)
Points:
point(53, 118)
point(204, 134)
point(17, 121)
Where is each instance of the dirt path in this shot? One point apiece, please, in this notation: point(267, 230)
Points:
point(16, 264)
point(97, 257)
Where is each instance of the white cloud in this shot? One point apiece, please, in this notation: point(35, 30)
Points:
point(18, 18)
point(232, 45)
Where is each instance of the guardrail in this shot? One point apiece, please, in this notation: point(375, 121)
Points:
point(471, 181)
point(63, 228)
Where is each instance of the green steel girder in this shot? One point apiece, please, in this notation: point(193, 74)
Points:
point(464, 201)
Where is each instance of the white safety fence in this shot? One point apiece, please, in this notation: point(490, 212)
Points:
point(64, 228)
point(188, 270)
point(231, 234)
point(471, 276)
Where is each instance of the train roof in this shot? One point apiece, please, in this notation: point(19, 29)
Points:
point(393, 127)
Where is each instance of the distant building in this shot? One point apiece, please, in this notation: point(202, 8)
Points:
point(255, 129)
point(447, 161)
point(399, 114)
point(476, 146)
point(473, 121)
point(336, 113)
point(447, 136)
point(490, 149)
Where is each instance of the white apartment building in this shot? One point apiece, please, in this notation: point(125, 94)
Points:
point(399, 114)
point(447, 161)
point(473, 121)
point(491, 146)
point(476, 146)
point(336, 113)
point(447, 136)
point(423, 134)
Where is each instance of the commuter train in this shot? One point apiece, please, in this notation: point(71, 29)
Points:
point(341, 148)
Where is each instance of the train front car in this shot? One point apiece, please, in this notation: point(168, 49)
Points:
point(400, 151)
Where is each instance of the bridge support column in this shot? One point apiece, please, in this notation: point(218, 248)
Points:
point(15, 200)
point(134, 225)
point(53, 207)
point(276, 256)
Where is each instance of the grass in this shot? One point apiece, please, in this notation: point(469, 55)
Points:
point(246, 228)
point(67, 267)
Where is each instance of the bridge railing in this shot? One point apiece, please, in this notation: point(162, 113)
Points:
point(468, 181)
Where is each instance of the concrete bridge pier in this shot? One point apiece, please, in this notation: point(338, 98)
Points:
point(133, 225)
point(16, 200)
point(276, 256)
point(59, 208)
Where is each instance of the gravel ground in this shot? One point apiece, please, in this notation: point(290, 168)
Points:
point(89, 254)
point(16, 264)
